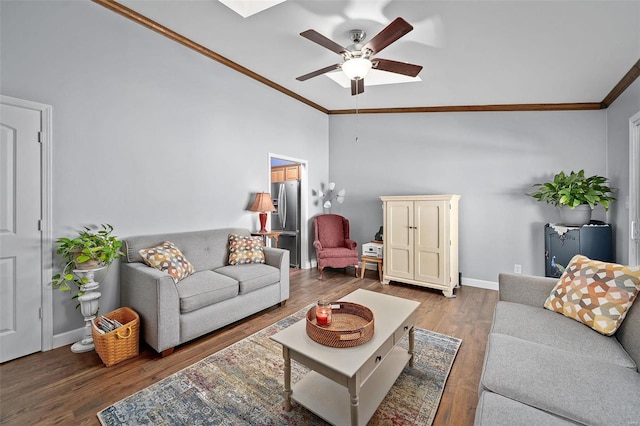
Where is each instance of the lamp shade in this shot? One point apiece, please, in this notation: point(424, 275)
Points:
point(263, 203)
point(356, 68)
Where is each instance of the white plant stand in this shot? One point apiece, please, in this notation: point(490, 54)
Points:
point(89, 305)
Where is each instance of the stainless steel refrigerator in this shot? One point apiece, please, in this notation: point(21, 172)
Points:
point(286, 218)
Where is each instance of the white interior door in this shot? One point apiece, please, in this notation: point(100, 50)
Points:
point(20, 236)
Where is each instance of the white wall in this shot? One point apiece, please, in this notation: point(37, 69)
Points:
point(490, 158)
point(618, 115)
point(148, 135)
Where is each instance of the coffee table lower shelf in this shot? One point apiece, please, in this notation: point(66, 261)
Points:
point(331, 401)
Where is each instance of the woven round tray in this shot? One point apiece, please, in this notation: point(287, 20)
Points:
point(351, 325)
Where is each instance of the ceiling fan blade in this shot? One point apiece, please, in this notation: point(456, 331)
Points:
point(316, 37)
point(357, 86)
point(318, 72)
point(396, 67)
point(392, 32)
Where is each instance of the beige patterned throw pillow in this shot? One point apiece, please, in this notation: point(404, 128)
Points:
point(243, 250)
point(597, 294)
point(168, 258)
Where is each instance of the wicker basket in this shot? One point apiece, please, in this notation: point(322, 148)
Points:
point(351, 325)
point(121, 343)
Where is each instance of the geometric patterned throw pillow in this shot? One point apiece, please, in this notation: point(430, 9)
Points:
point(168, 258)
point(597, 294)
point(243, 250)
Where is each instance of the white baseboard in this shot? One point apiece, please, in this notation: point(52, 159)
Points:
point(68, 337)
point(489, 285)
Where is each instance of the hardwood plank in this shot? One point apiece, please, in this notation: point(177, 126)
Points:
point(60, 387)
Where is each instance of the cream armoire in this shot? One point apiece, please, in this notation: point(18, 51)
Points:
point(421, 240)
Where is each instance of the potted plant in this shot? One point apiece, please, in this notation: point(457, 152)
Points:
point(575, 194)
point(89, 250)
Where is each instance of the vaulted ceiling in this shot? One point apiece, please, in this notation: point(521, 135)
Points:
point(514, 54)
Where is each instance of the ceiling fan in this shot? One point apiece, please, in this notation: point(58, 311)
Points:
point(358, 57)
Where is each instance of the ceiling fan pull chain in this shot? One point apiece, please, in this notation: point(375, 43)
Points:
point(357, 117)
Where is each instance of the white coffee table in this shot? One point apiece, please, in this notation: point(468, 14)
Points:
point(347, 385)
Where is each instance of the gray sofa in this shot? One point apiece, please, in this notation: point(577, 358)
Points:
point(216, 295)
point(542, 368)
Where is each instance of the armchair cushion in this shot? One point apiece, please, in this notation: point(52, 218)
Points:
point(337, 252)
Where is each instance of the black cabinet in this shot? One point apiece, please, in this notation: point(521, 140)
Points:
point(561, 243)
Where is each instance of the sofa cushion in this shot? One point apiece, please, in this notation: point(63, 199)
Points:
point(552, 329)
point(496, 410)
point(252, 276)
point(244, 250)
point(205, 288)
point(595, 293)
point(168, 258)
point(582, 389)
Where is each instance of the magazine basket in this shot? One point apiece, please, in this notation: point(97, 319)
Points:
point(351, 325)
point(121, 343)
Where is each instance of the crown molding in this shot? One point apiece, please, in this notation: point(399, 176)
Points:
point(622, 85)
point(128, 13)
point(476, 108)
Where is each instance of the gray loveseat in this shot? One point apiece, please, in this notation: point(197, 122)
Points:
point(216, 295)
point(542, 368)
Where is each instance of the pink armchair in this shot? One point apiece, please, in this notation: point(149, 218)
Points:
point(333, 246)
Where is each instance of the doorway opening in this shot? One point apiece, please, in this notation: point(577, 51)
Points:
point(289, 192)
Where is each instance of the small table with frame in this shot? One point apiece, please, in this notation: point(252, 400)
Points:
point(377, 260)
point(269, 234)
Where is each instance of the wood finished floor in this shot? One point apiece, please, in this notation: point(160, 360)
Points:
point(60, 387)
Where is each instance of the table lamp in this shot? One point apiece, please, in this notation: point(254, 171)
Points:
point(263, 205)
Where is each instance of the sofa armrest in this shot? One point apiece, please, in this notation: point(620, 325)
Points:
point(279, 258)
point(525, 289)
point(153, 295)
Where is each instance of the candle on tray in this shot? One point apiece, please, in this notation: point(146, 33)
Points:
point(323, 312)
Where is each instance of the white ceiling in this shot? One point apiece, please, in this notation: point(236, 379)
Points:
point(474, 52)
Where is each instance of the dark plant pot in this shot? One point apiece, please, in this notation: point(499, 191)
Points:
point(577, 216)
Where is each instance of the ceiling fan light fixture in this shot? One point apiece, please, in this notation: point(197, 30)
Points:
point(356, 68)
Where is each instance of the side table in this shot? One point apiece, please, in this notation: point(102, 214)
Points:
point(269, 234)
point(377, 260)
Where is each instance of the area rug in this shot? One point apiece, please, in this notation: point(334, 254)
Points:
point(242, 385)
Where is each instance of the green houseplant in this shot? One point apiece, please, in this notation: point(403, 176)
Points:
point(89, 250)
point(575, 191)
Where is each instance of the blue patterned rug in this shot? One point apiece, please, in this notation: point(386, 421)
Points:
point(242, 385)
